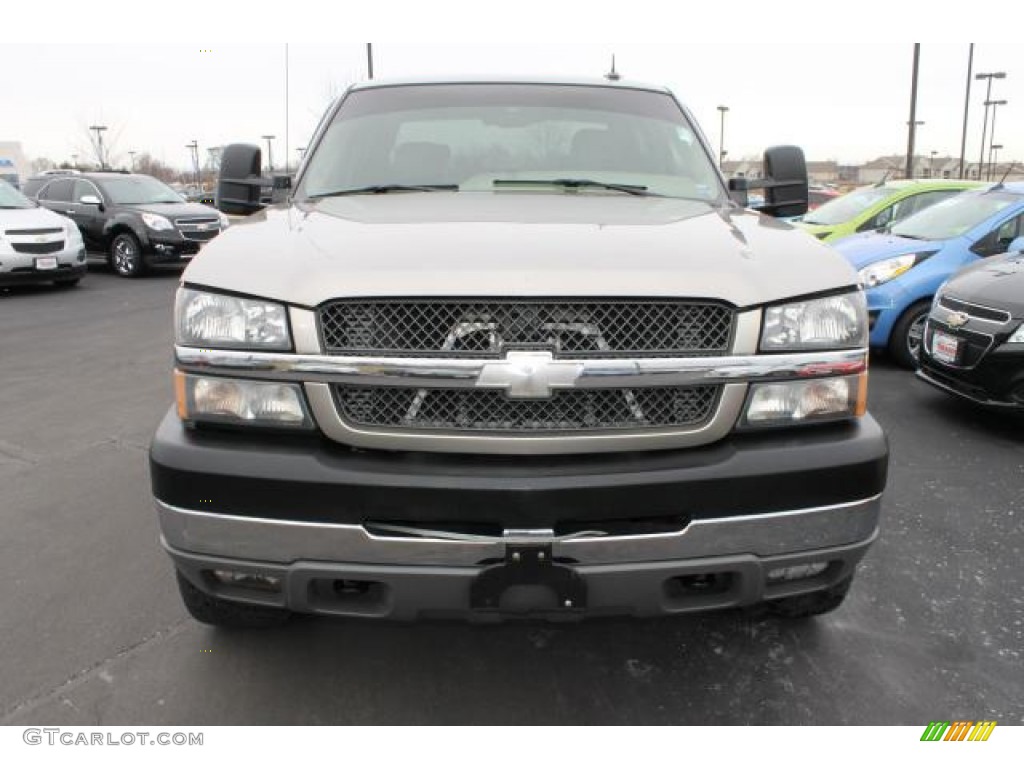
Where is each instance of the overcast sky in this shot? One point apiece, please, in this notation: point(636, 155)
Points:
point(846, 102)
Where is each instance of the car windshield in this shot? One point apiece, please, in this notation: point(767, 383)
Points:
point(12, 198)
point(548, 138)
point(137, 190)
point(955, 216)
point(848, 206)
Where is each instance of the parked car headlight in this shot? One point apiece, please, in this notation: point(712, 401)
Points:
point(204, 319)
point(887, 269)
point(225, 222)
point(218, 400)
point(833, 322)
point(72, 232)
point(156, 222)
point(1017, 337)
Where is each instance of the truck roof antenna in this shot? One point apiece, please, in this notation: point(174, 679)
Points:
point(613, 75)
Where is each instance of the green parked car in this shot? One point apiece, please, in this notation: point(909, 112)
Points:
point(872, 208)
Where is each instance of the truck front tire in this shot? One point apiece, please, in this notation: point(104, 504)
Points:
point(227, 613)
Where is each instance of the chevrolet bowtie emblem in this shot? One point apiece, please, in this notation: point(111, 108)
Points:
point(956, 319)
point(529, 374)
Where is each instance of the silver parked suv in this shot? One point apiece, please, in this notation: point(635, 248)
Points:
point(515, 349)
point(37, 245)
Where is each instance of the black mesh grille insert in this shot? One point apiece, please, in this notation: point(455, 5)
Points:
point(486, 410)
point(37, 248)
point(483, 328)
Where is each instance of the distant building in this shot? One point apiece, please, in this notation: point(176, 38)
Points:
point(14, 166)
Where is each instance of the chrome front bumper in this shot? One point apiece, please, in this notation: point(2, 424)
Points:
point(414, 577)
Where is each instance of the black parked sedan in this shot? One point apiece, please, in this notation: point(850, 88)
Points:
point(133, 219)
point(974, 339)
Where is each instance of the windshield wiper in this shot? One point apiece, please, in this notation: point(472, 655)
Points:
point(629, 189)
point(381, 189)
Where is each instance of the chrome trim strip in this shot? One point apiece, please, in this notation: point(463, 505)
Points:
point(277, 541)
point(996, 310)
point(448, 372)
point(325, 413)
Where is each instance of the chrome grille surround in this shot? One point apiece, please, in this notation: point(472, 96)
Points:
point(198, 228)
point(487, 327)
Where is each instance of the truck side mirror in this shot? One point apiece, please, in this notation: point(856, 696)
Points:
point(786, 189)
point(240, 180)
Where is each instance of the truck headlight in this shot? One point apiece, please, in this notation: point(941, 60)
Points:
point(887, 269)
point(806, 401)
point(157, 222)
point(204, 319)
point(833, 322)
point(217, 400)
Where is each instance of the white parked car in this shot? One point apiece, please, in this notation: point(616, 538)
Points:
point(37, 245)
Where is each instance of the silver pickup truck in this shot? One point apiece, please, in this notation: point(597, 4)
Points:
point(515, 348)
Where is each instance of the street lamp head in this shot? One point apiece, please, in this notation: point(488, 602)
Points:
point(997, 146)
point(723, 109)
point(990, 75)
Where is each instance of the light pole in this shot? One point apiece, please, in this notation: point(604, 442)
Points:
point(99, 143)
point(993, 156)
point(990, 76)
point(131, 154)
point(302, 153)
point(74, 161)
point(967, 107)
point(931, 164)
point(270, 152)
point(193, 149)
point(992, 137)
point(912, 129)
point(721, 135)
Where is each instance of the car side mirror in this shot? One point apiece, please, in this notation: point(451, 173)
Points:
point(240, 180)
point(90, 200)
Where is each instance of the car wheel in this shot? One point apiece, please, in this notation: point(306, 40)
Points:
point(812, 604)
point(227, 613)
point(908, 334)
point(126, 255)
point(69, 282)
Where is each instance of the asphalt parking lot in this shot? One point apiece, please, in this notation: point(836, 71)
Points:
point(93, 632)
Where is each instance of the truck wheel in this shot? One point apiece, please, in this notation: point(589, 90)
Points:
point(126, 255)
point(226, 613)
point(811, 604)
point(908, 335)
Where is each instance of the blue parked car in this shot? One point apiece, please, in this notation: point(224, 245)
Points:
point(902, 269)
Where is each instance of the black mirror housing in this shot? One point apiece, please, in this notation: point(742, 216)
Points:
point(240, 180)
point(784, 183)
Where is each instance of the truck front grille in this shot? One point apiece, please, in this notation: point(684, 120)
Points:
point(486, 328)
point(483, 410)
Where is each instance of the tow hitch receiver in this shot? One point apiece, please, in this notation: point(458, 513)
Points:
point(529, 565)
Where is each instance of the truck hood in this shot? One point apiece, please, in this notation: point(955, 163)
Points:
point(515, 244)
point(997, 282)
point(30, 218)
point(861, 250)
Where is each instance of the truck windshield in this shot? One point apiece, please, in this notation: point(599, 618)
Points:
point(955, 216)
point(12, 198)
point(139, 190)
point(849, 206)
point(583, 139)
